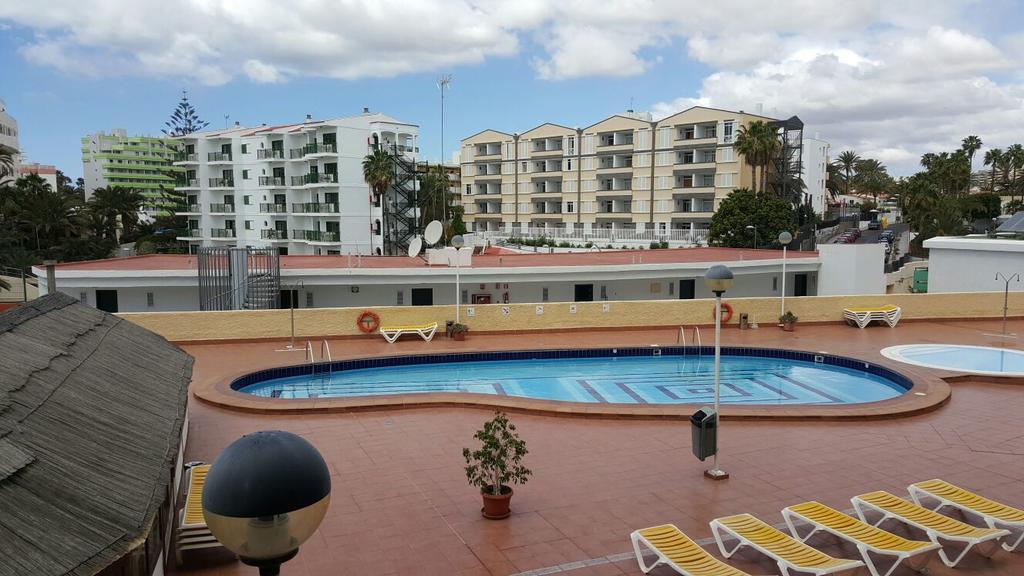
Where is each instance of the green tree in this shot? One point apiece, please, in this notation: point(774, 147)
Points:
point(379, 173)
point(7, 167)
point(748, 146)
point(835, 182)
point(981, 206)
point(847, 160)
point(744, 207)
point(993, 158)
point(184, 120)
point(758, 142)
point(970, 145)
point(1013, 206)
point(872, 177)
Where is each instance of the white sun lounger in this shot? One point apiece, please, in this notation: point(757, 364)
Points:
point(935, 525)
point(192, 532)
point(993, 513)
point(861, 317)
point(425, 331)
point(868, 539)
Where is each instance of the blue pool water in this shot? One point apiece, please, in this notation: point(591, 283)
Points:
point(974, 359)
point(666, 379)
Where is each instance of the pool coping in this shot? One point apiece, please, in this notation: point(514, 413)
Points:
point(927, 392)
point(894, 353)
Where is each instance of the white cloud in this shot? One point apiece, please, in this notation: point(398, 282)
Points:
point(260, 72)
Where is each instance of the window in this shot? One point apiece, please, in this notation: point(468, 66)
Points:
point(83, 297)
point(469, 188)
point(570, 207)
point(544, 294)
point(523, 167)
point(309, 299)
point(245, 148)
point(464, 297)
point(149, 299)
point(400, 299)
point(246, 200)
point(671, 288)
point(568, 163)
point(248, 224)
point(775, 283)
point(245, 174)
point(727, 127)
point(604, 292)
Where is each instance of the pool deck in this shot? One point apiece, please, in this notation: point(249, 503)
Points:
point(401, 505)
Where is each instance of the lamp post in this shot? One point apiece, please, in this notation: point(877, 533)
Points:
point(264, 496)
point(1006, 293)
point(718, 279)
point(457, 242)
point(784, 238)
point(754, 228)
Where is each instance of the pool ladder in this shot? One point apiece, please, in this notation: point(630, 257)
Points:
point(694, 337)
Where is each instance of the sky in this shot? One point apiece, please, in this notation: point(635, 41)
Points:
point(888, 79)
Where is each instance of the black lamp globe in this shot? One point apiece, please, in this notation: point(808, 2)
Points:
point(265, 495)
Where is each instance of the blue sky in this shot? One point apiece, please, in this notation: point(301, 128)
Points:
point(890, 79)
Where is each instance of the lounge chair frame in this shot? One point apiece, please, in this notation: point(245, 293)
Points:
point(195, 534)
point(393, 333)
point(639, 539)
point(861, 317)
point(861, 506)
point(864, 548)
point(717, 528)
point(919, 495)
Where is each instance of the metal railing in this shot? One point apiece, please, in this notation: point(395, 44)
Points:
point(270, 154)
point(315, 207)
point(188, 183)
point(222, 208)
point(271, 180)
point(222, 182)
point(222, 232)
point(194, 233)
point(315, 235)
point(273, 208)
point(196, 208)
point(25, 278)
point(274, 234)
point(218, 157)
point(315, 148)
point(183, 157)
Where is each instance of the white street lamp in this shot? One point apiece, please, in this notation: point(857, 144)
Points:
point(457, 242)
point(718, 279)
point(754, 228)
point(784, 238)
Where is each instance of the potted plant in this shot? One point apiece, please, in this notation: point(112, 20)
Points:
point(496, 465)
point(788, 320)
point(459, 331)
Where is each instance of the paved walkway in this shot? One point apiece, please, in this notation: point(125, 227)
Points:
point(401, 505)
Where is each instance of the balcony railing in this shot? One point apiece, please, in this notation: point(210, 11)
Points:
point(273, 208)
point(271, 181)
point(684, 237)
point(222, 232)
point(270, 154)
point(272, 234)
point(222, 182)
point(222, 208)
point(184, 157)
point(315, 207)
point(188, 183)
point(192, 208)
point(316, 148)
point(194, 233)
point(315, 235)
point(325, 178)
point(218, 157)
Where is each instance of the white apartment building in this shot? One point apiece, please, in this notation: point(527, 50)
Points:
point(815, 173)
point(296, 187)
point(8, 134)
point(624, 179)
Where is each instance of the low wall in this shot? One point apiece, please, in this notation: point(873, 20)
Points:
point(338, 322)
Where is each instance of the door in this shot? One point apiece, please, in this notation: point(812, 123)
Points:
point(687, 289)
point(584, 293)
point(422, 296)
point(106, 300)
point(282, 251)
point(800, 285)
point(481, 298)
point(289, 299)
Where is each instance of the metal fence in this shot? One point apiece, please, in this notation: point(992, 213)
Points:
point(239, 278)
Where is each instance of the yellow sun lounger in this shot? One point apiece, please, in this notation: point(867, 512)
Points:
point(935, 525)
point(861, 317)
point(788, 552)
point(192, 530)
point(993, 513)
point(392, 333)
point(678, 552)
point(868, 539)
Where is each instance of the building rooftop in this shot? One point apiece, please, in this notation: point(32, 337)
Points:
point(494, 258)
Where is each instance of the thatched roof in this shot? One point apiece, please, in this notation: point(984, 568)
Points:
point(91, 410)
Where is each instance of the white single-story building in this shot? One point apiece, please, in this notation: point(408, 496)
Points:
point(171, 282)
point(972, 263)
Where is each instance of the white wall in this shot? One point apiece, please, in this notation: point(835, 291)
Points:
point(848, 269)
point(971, 264)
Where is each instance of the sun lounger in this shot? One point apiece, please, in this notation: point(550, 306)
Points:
point(786, 551)
point(861, 317)
point(935, 525)
point(425, 331)
point(678, 552)
point(867, 538)
point(192, 530)
point(993, 513)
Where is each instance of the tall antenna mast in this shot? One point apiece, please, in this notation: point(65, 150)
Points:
point(442, 84)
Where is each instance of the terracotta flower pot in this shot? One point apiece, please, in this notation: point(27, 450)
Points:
point(787, 326)
point(497, 507)
point(459, 336)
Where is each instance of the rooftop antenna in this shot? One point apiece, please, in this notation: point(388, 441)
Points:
point(442, 84)
point(226, 118)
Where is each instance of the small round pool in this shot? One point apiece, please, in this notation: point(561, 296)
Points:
point(670, 375)
point(958, 358)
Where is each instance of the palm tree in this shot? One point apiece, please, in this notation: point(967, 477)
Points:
point(1015, 164)
point(6, 163)
point(50, 214)
point(871, 177)
point(994, 158)
point(848, 160)
point(435, 195)
point(970, 145)
point(379, 173)
point(748, 145)
point(835, 181)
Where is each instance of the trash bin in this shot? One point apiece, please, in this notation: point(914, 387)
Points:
point(704, 427)
point(744, 321)
point(448, 328)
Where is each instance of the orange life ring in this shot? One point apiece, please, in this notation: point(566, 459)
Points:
point(368, 322)
point(726, 312)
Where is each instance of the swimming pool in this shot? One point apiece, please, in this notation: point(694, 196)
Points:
point(974, 359)
point(672, 375)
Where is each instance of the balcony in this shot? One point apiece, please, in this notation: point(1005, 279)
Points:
point(222, 182)
point(487, 150)
point(271, 154)
point(315, 208)
point(188, 183)
point(222, 233)
point(191, 209)
point(219, 208)
point(194, 233)
point(218, 157)
point(185, 158)
point(271, 181)
point(273, 208)
point(315, 235)
point(273, 234)
point(315, 148)
point(314, 179)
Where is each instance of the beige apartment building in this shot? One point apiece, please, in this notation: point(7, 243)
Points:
point(626, 178)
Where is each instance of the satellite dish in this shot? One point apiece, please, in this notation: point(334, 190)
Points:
point(415, 246)
point(433, 232)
